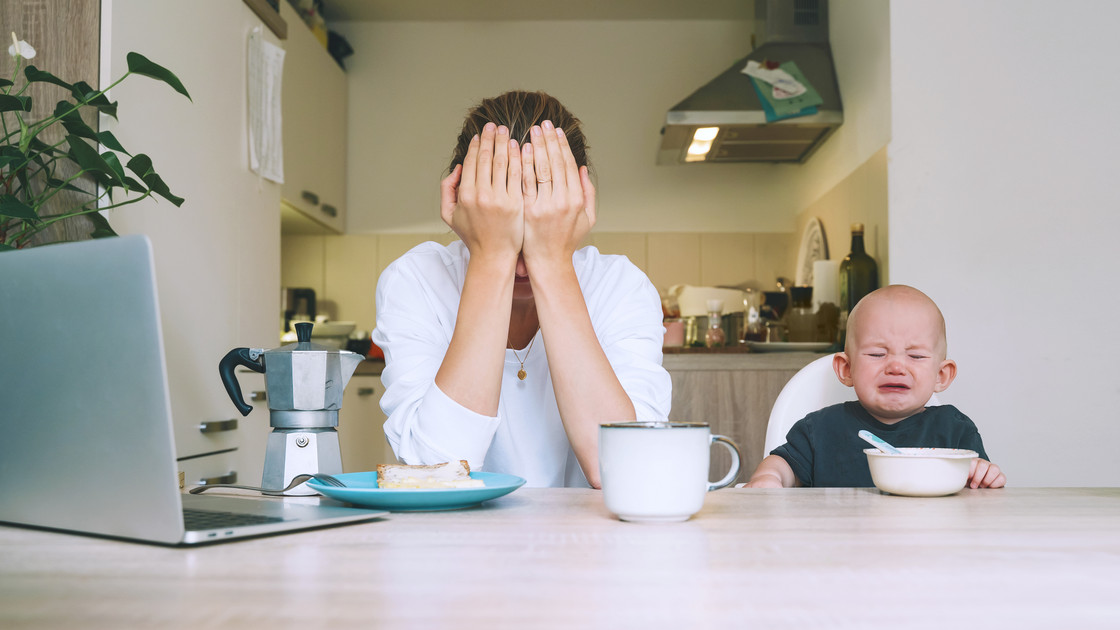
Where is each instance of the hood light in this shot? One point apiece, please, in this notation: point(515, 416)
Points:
point(701, 144)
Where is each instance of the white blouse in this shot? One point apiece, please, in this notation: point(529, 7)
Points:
point(417, 304)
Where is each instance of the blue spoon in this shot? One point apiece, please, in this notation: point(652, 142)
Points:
point(878, 443)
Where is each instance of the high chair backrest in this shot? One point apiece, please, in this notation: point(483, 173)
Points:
point(814, 387)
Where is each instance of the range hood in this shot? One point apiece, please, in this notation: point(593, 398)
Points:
point(790, 30)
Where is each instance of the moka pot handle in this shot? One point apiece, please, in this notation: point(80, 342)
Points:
point(250, 358)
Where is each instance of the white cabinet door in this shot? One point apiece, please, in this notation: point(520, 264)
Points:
point(218, 256)
point(314, 102)
point(361, 426)
point(254, 428)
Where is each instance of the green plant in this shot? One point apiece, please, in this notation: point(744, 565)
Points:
point(35, 168)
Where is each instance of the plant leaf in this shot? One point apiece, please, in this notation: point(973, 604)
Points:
point(87, 157)
point(115, 163)
point(34, 75)
point(155, 183)
point(6, 248)
point(83, 92)
point(141, 65)
point(12, 207)
point(9, 103)
point(72, 121)
point(101, 228)
point(140, 164)
point(42, 148)
point(5, 83)
point(110, 141)
point(54, 182)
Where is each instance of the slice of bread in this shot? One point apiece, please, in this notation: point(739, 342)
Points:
point(455, 474)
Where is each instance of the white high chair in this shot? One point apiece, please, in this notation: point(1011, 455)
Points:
point(814, 387)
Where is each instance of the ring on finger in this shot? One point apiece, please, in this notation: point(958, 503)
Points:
point(543, 181)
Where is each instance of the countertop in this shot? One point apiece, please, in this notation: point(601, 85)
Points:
point(693, 359)
point(555, 558)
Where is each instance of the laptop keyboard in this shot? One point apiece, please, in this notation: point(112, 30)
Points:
point(194, 519)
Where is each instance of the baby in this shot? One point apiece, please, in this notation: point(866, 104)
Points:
point(894, 357)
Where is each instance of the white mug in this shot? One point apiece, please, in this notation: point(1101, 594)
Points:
point(658, 471)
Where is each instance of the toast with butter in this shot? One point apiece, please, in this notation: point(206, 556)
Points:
point(455, 474)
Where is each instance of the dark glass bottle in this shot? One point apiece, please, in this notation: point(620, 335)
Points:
point(859, 274)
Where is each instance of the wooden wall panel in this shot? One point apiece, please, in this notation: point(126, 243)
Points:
point(66, 37)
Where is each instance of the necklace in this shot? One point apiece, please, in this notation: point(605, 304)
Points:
point(521, 372)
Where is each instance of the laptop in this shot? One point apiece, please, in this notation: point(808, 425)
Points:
point(86, 439)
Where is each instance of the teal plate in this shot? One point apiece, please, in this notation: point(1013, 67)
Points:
point(361, 489)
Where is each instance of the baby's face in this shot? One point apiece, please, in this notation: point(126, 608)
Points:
point(896, 356)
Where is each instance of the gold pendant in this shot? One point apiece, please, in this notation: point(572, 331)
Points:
point(521, 374)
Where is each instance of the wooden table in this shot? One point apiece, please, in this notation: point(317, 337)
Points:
point(554, 558)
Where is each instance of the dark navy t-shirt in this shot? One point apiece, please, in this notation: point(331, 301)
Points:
point(825, 450)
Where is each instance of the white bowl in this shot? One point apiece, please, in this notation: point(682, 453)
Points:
point(920, 472)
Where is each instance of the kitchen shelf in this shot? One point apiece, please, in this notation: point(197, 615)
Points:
point(270, 16)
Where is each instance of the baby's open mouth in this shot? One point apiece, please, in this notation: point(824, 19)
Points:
point(894, 387)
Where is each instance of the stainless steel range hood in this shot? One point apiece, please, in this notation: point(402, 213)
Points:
point(790, 31)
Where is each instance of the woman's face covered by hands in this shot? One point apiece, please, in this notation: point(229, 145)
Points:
point(529, 201)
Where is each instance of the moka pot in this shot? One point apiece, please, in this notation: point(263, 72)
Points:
point(304, 383)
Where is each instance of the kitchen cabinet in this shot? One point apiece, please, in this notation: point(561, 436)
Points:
point(733, 393)
point(361, 432)
point(314, 105)
point(217, 257)
point(248, 461)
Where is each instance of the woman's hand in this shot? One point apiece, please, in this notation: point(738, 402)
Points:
point(482, 201)
point(559, 198)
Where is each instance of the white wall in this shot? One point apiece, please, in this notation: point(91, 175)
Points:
point(1005, 208)
point(412, 82)
point(859, 34)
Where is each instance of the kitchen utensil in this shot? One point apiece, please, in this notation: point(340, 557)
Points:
point(297, 480)
point(920, 472)
point(878, 442)
point(801, 319)
point(361, 490)
point(658, 471)
point(290, 302)
point(304, 383)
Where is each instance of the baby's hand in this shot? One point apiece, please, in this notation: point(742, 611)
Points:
point(985, 474)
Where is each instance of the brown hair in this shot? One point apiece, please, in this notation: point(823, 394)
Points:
point(520, 111)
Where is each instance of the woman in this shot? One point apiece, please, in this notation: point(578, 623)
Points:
point(509, 347)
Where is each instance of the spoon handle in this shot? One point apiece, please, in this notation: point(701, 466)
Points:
point(878, 442)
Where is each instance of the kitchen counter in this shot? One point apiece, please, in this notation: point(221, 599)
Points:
point(738, 360)
point(733, 393)
point(555, 558)
point(370, 367)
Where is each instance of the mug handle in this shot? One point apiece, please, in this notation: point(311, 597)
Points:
point(734, 472)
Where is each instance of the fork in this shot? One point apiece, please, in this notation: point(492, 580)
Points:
point(298, 479)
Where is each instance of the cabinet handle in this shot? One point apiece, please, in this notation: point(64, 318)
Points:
point(310, 197)
point(330, 210)
point(366, 391)
point(258, 395)
point(218, 426)
point(230, 477)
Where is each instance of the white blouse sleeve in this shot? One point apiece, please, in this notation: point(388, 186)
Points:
point(417, 301)
point(625, 310)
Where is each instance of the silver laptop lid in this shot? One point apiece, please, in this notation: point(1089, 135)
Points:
point(87, 441)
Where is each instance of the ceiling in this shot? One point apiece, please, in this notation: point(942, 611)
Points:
point(511, 10)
